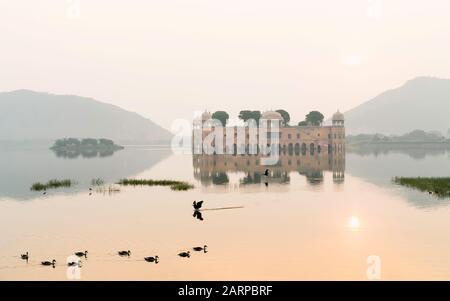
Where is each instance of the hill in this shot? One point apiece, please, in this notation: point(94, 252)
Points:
point(422, 103)
point(28, 115)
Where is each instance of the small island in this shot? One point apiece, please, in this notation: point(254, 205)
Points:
point(87, 147)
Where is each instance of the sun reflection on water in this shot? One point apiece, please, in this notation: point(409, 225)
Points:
point(354, 223)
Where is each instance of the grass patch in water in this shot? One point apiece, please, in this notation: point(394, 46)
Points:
point(181, 186)
point(437, 186)
point(174, 185)
point(52, 184)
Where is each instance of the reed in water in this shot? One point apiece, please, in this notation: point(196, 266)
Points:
point(437, 186)
point(174, 185)
point(52, 184)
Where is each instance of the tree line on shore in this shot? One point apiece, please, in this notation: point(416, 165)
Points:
point(416, 136)
point(313, 118)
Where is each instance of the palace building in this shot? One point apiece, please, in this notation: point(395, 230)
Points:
point(298, 140)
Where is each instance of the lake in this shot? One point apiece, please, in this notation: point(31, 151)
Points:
point(312, 218)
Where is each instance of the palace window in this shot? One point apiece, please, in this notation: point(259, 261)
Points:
point(297, 149)
point(311, 148)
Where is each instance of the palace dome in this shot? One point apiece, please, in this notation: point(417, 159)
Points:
point(338, 116)
point(206, 115)
point(269, 115)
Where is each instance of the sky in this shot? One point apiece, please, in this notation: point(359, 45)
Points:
point(168, 59)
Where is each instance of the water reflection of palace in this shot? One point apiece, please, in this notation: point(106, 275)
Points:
point(215, 169)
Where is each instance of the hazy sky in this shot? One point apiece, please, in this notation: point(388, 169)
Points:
point(165, 59)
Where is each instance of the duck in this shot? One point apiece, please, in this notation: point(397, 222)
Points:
point(24, 256)
point(198, 249)
point(74, 263)
point(197, 205)
point(266, 172)
point(47, 263)
point(152, 259)
point(185, 254)
point(81, 254)
point(125, 253)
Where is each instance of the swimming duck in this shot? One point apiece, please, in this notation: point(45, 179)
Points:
point(197, 205)
point(125, 253)
point(198, 249)
point(81, 254)
point(185, 254)
point(152, 259)
point(49, 263)
point(74, 263)
point(24, 256)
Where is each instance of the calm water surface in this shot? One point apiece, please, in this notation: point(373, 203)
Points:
point(318, 217)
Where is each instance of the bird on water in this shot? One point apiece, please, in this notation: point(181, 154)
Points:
point(74, 263)
point(198, 249)
point(24, 256)
point(154, 259)
point(197, 205)
point(185, 254)
point(47, 263)
point(125, 253)
point(81, 254)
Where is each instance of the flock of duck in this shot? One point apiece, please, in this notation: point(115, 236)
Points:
point(153, 259)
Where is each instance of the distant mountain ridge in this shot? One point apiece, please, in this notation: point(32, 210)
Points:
point(422, 103)
point(29, 115)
